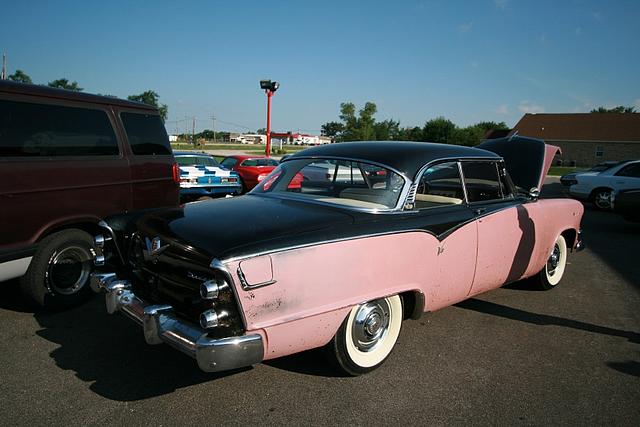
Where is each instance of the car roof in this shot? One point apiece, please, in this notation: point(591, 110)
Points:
point(246, 156)
point(7, 86)
point(404, 156)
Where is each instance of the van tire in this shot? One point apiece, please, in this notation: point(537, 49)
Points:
point(58, 275)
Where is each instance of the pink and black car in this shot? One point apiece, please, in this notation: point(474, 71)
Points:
point(339, 263)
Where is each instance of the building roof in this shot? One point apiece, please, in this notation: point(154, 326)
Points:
point(7, 86)
point(617, 127)
point(406, 157)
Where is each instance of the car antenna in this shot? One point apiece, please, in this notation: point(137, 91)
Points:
point(512, 135)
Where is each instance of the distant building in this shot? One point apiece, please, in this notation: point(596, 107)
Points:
point(173, 138)
point(250, 138)
point(586, 138)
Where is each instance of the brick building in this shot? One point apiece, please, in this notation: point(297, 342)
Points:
point(586, 138)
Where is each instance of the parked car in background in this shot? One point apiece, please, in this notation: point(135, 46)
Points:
point(68, 159)
point(569, 178)
point(253, 169)
point(342, 265)
point(597, 187)
point(202, 176)
point(627, 204)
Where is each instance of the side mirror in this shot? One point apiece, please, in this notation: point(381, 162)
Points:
point(534, 193)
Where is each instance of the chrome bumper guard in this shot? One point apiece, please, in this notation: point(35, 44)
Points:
point(160, 325)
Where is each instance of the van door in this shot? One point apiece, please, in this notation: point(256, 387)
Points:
point(151, 160)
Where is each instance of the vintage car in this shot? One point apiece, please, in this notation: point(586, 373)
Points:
point(338, 265)
point(202, 176)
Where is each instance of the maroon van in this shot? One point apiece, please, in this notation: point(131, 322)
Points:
point(68, 159)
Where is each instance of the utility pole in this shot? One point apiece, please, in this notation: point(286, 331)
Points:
point(4, 67)
point(213, 118)
point(193, 131)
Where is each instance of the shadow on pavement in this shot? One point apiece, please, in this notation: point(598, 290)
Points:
point(12, 299)
point(629, 368)
point(109, 351)
point(543, 319)
point(311, 362)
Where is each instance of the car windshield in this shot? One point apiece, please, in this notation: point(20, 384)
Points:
point(341, 182)
point(196, 161)
point(601, 167)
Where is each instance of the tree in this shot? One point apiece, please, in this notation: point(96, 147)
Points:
point(21, 77)
point(261, 131)
point(65, 84)
point(486, 126)
point(332, 130)
point(618, 109)
point(387, 130)
point(411, 134)
point(469, 136)
point(438, 130)
point(150, 97)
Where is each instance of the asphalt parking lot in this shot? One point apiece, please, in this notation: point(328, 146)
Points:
point(512, 356)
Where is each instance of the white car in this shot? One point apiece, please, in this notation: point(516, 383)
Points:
point(597, 187)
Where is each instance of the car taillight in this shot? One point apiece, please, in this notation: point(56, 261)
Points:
point(262, 176)
point(175, 171)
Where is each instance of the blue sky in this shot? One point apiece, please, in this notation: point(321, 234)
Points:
point(465, 60)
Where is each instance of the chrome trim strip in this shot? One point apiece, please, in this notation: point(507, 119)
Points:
point(161, 325)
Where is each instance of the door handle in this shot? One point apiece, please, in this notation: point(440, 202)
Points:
point(479, 211)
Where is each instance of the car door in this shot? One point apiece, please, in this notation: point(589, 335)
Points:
point(627, 178)
point(443, 211)
point(506, 231)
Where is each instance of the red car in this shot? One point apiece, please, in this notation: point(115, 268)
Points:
point(254, 169)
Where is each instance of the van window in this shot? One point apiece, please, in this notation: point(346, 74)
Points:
point(482, 181)
point(42, 130)
point(146, 134)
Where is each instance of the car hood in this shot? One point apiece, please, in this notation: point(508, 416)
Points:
point(527, 159)
point(230, 227)
point(201, 170)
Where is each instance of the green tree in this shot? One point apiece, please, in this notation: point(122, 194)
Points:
point(486, 126)
point(150, 97)
point(469, 136)
point(411, 134)
point(618, 109)
point(65, 84)
point(21, 77)
point(332, 130)
point(387, 130)
point(348, 117)
point(261, 131)
point(438, 130)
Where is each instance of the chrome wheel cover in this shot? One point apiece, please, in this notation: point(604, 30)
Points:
point(68, 270)
point(603, 200)
point(370, 325)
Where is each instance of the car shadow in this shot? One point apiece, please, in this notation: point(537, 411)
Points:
point(310, 362)
point(506, 312)
point(12, 298)
point(108, 352)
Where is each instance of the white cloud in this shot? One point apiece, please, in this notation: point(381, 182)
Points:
point(503, 109)
point(530, 107)
point(465, 28)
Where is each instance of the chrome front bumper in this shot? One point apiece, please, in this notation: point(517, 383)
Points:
point(161, 325)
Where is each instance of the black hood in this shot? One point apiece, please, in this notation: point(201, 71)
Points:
point(236, 226)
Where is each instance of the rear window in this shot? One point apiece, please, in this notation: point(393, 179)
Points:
point(41, 130)
point(196, 161)
point(146, 134)
point(260, 162)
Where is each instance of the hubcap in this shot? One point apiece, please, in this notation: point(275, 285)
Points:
point(603, 200)
point(370, 325)
point(553, 261)
point(68, 270)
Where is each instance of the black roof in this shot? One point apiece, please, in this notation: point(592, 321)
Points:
point(49, 92)
point(404, 156)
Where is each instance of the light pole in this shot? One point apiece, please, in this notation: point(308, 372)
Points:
point(269, 88)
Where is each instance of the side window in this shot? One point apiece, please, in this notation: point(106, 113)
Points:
point(146, 134)
point(482, 181)
point(229, 162)
point(440, 185)
point(41, 130)
point(632, 171)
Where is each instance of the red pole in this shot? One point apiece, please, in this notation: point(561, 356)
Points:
point(268, 149)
